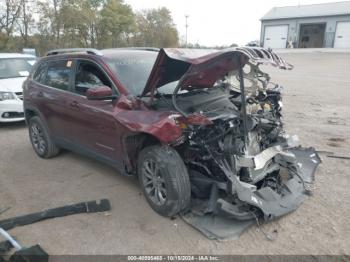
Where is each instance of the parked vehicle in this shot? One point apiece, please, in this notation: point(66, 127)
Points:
point(29, 51)
point(14, 68)
point(185, 124)
point(255, 43)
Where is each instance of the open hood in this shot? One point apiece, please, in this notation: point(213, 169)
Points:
point(202, 68)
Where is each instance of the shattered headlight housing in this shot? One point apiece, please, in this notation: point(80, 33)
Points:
point(6, 96)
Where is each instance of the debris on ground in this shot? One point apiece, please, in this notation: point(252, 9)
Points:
point(22, 254)
point(36, 253)
point(83, 207)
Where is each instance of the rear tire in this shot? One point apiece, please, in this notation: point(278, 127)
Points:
point(40, 139)
point(164, 180)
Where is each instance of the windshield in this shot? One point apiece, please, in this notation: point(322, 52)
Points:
point(133, 69)
point(15, 67)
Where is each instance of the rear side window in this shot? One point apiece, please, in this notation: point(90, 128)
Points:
point(58, 74)
point(39, 75)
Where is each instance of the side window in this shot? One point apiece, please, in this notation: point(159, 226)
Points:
point(58, 74)
point(88, 76)
point(39, 75)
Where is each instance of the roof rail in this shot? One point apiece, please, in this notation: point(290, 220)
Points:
point(156, 49)
point(91, 51)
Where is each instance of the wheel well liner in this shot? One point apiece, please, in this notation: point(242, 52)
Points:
point(29, 113)
point(133, 144)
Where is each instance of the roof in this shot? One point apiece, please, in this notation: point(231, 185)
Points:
point(116, 52)
point(315, 10)
point(93, 51)
point(135, 48)
point(15, 55)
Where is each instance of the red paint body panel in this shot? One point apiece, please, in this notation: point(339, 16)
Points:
point(159, 124)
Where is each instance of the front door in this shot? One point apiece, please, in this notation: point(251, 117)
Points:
point(94, 127)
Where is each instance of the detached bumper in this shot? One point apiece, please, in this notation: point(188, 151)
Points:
point(11, 111)
point(222, 225)
point(295, 190)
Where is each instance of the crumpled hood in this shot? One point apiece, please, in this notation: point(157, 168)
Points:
point(202, 68)
point(12, 84)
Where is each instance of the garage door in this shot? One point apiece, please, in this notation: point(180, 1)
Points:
point(276, 36)
point(342, 35)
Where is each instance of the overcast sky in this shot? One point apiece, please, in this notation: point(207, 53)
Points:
point(219, 22)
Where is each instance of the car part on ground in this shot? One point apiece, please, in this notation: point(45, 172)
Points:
point(83, 207)
point(5, 246)
point(30, 254)
point(229, 220)
point(8, 237)
point(36, 253)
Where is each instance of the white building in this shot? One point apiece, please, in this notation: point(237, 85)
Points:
point(307, 26)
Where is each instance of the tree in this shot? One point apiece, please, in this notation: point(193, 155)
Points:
point(156, 28)
point(50, 24)
point(25, 21)
point(117, 22)
point(9, 13)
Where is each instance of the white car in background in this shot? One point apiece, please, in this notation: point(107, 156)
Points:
point(14, 69)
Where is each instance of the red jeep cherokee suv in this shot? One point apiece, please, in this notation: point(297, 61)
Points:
point(182, 120)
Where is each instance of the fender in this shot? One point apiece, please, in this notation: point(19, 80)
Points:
point(161, 125)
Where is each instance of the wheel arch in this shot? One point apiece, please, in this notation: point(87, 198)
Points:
point(30, 112)
point(133, 144)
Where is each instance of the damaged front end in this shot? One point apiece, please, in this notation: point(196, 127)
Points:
point(242, 164)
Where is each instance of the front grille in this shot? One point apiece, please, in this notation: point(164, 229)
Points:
point(19, 95)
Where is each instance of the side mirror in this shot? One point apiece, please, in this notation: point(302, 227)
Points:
point(99, 93)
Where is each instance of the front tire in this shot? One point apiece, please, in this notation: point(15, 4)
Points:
point(164, 180)
point(40, 139)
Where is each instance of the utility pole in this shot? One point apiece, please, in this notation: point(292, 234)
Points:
point(186, 25)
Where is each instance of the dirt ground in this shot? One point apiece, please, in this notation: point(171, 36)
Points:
point(317, 106)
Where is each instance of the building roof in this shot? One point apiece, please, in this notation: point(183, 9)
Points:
point(15, 55)
point(327, 9)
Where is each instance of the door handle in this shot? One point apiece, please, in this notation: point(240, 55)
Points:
point(74, 104)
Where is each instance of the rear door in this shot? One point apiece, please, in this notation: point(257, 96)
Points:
point(52, 91)
point(342, 35)
point(276, 36)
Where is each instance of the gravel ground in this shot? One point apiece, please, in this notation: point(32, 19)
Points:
point(316, 99)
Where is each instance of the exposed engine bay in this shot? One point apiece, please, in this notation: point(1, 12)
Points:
point(242, 164)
